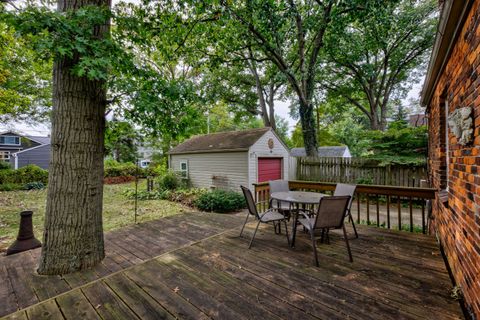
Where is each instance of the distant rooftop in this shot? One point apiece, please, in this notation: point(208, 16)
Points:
point(334, 151)
point(39, 139)
point(221, 141)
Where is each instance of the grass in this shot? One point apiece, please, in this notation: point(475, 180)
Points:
point(405, 227)
point(118, 210)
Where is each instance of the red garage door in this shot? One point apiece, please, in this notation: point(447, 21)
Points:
point(269, 169)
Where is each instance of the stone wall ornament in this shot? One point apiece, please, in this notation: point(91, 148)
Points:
point(461, 124)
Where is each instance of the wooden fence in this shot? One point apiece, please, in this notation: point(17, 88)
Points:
point(401, 208)
point(358, 171)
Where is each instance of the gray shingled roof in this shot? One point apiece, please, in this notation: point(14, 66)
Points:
point(335, 151)
point(41, 140)
point(221, 141)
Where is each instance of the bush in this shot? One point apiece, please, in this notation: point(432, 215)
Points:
point(24, 175)
point(171, 181)
point(145, 195)
point(220, 201)
point(116, 169)
point(34, 186)
point(4, 165)
point(32, 173)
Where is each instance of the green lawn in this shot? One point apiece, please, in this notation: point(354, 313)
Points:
point(118, 211)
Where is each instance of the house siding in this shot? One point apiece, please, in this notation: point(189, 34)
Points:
point(223, 170)
point(38, 156)
point(456, 215)
point(260, 149)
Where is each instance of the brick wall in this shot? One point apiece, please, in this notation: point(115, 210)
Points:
point(456, 213)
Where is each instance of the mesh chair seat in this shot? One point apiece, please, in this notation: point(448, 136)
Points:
point(271, 215)
point(308, 223)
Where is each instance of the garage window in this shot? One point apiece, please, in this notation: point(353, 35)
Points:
point(184, 168)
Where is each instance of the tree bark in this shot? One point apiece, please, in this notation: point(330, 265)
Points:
point(307, 121)
point(73, 234)
point(271, 106)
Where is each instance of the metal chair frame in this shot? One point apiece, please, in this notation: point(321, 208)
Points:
point(321, 222)
point(343, 189)
point(271, 215)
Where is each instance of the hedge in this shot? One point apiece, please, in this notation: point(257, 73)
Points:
point(24, 175)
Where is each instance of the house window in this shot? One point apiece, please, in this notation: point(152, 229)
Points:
point(184, 168)
point(5, 156)
point(10, 140)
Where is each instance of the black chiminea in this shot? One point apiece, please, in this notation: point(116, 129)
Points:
point(25, 240)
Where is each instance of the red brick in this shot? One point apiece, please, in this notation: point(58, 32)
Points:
point(458, 225)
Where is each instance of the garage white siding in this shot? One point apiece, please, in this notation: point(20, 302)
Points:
point(261, 150)
point(224, 170)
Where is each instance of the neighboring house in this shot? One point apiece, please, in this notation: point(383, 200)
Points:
point(227, 160)
point(39, 156)
point(451, 96)
point(417, 120)
point(13, 144)
point(145, 153)
point(335, 151)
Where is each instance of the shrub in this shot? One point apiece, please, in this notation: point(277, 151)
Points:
point(113, 168)
point(220, 201)
point(155, 170)
point(32, 173)
point(4, 165)
point(171, 181)
point(145, 195)
point(27, 174)
point(34, 186)
point(183, 196)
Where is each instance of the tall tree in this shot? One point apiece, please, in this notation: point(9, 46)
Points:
point(73, 234)
point(290, 34)
point(121, 140)
point(378, 53)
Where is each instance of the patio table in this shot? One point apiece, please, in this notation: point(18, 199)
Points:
point(297, 198)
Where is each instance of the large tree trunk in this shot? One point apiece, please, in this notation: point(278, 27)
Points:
point(271, 107)
point(73, 235)
point(307, 120)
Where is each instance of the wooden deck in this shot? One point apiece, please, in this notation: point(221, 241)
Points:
point(194, 266)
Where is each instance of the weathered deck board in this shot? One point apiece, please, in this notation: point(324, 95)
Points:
point(21, 286)
point(199, 272)
point(137, 299)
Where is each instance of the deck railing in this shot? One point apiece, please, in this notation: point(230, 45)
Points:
point(391, 199)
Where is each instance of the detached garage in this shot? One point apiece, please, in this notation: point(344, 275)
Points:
point(227, 160)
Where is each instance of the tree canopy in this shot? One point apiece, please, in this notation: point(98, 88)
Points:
point(377, 54)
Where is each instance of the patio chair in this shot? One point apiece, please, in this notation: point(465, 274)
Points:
point(271, 215)
point(330, 215)
point(283, 207)
point(343, 189)
point(279, 186)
